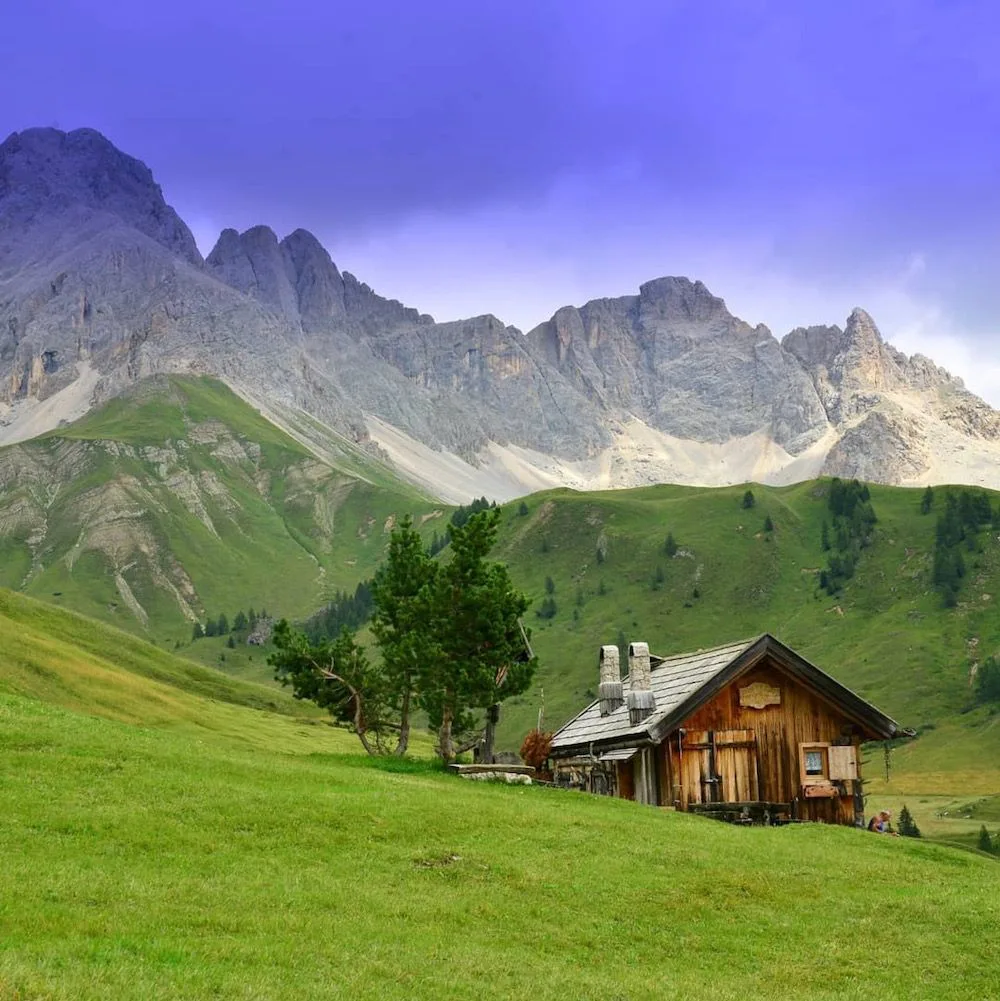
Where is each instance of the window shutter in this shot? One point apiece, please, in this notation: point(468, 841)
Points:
point(843, 763)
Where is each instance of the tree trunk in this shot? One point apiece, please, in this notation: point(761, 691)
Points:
point(404, 723)
point(492, 718)
point(446, 746)
point(360, 728)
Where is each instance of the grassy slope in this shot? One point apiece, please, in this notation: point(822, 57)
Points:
point(288, 529)
point(72, 662)
point(140, 863)
point(886, 636)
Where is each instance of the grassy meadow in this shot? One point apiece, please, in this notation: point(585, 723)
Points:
point(163, 835)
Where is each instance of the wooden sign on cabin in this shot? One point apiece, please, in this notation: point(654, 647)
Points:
point(759, 696)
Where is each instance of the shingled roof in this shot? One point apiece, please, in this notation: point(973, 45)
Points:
point(683, 683)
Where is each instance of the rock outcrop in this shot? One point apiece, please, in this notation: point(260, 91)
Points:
point(677, 359)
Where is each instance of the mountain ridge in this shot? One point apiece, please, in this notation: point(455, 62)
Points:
point(102, 285)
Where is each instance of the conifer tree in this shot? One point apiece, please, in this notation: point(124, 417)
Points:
point(985, 843)
point(401, 592)
point(478, 642)
point(907, 825)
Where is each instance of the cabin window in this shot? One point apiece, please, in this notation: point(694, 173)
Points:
point(814, 764)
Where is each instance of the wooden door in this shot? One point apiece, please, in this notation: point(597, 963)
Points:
point(720, 766)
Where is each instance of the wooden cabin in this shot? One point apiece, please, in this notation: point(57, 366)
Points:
point(747, 732)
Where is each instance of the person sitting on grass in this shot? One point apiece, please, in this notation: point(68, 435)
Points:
point(880, 823)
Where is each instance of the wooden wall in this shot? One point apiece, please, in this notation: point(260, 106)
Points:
point(776, 731)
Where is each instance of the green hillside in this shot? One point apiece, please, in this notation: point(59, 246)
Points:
point(887, 634)
point(202, 851)
point(68, 661)
point(181, 502)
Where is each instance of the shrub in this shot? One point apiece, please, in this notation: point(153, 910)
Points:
point(535, 748)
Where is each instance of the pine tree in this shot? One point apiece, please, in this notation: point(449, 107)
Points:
point(749, 500)
point(658, 578)
point(550, 586)
point(927, 501)
point(197, 632)
point(401, 592)
point(231, 642)
point(670, 546)
point(240, 623)
point(547, 609)
point(988, 681)
point(522, 509)
point(825, 537)
point(768, 524)
point(223, 625)
point(907, 825)
point(479, 644)
point(985, 843)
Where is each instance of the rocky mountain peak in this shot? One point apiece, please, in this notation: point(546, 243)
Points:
point(815, 347)
point(682, 304)
point(255, 263)
point(45, 173)
point(862, 332)
point(318, 283)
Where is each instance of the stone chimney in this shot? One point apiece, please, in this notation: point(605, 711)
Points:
point(610, 689)
point(641, 700)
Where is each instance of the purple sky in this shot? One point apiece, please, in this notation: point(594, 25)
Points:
point(465, 157)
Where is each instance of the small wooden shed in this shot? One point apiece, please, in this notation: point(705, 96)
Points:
point(748, 731)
